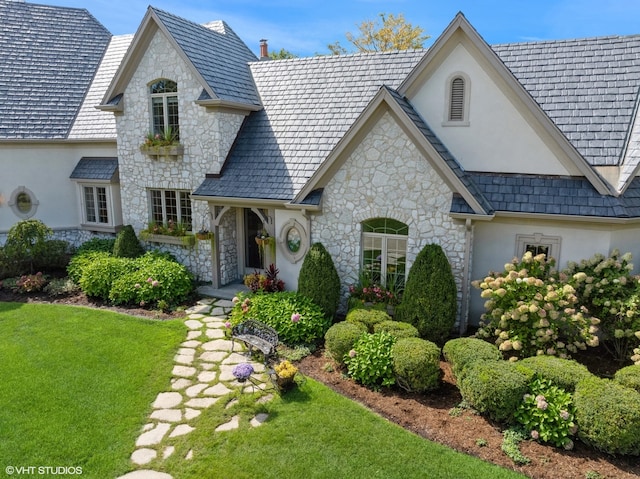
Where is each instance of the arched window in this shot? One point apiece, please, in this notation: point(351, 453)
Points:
point(384, 252)
point(164, 109)
point(457, 100)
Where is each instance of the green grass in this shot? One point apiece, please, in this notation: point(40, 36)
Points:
point(313, 432)
point(76, 385)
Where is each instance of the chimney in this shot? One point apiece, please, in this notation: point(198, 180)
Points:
point(264, 50)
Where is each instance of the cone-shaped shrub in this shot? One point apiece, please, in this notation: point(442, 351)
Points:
point(429, 301)
point(127, 244)
point(319, 280)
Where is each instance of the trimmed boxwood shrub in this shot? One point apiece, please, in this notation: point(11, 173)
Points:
point(629, 377)
point(319, 280)
point(461, 352)
point(430, 296)
point(98, 275)
point(368, 317)
point(608, 416)
point(97, 244)
point(340, 338)
point(155, 279)
point(127, 244)
point(398, 329)
point(564, 373)
point(296, 318)
point(416, 364)
point(494, 388)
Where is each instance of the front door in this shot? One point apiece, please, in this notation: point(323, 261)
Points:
point(252, 226)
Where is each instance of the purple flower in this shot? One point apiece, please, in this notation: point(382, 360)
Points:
point(242, 371)
point(295, 317)
point(227, 325)
point(155, 283)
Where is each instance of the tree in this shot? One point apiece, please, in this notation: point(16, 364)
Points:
point(319, 280)
point(282, 55)
point(393, 33)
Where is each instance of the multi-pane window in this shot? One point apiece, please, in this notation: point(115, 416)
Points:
point(171, 206)
point(538, 243)
point(96, 204)
point(384, 251)
point(164, 108)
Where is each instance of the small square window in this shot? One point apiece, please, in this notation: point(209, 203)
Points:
point(538, 243)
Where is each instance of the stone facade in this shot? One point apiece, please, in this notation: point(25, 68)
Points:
point(206, 137)
point(386, 176)
point(228, 243)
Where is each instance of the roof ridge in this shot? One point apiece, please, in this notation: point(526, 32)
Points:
point(594, 39)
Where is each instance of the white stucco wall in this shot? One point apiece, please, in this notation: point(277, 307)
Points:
point(499, 138)
point(44, 168)
point(385, 176)
point(289, 271)
point(495, 245)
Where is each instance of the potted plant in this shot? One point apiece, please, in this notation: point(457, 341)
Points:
point(204, 234)
point(163, 144)
point(242, 372)
point(285, 375)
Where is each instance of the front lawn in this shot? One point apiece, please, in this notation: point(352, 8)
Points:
point(76, 385)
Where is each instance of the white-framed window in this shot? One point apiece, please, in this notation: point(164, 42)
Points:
point(171, 206)
point(384, 252)
point(164, 108)
point(538, 243)
point(96, 205)
point(457, 95)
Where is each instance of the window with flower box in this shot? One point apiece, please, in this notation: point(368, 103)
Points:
point(171, 206)
point(384, 252)
point(164, 108)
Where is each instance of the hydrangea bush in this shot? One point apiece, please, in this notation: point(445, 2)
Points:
point(606, 288)
point(530, 311)
point(547, 413)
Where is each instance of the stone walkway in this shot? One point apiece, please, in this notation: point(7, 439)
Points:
point(202, 376)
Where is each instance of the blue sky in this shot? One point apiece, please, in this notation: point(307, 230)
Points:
point(306, 27)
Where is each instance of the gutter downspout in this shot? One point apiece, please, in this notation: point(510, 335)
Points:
point(466, 274)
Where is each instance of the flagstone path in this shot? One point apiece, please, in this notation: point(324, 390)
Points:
point(202, 376)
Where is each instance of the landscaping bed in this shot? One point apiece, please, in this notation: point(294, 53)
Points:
point(433, 416)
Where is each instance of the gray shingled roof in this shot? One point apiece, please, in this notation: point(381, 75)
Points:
point(554, 195)
point(92, 123)
point(95, 169)
point(48, 57)
point(309, 104)
point(588, 87)
point(218, 54)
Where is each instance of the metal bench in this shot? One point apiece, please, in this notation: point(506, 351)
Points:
point(255, 334)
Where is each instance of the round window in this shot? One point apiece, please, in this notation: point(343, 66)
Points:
point(23, 203)
point(293, 239)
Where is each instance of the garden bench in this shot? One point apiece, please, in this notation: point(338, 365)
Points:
point(256, 335)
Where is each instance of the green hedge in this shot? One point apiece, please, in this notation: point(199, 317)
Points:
point(608, 416)
point(629, 377)
point(416, 364)
point(397, 329)
point(340, 338)
point(319, 280)
point(368, 317)
point(564, 373)
point(495, 388)
point(461, 352)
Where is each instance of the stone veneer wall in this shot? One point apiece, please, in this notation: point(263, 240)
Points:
point(386, 176)
point(228, 242)
point(206, 137)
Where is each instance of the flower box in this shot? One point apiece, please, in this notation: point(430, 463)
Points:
point(186, 240)
point(172, 152)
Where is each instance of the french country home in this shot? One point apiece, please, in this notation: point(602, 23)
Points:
point(487, 150)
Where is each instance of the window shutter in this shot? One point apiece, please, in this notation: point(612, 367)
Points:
point(456, 103)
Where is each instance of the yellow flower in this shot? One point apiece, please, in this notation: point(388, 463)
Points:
point(286, 370)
